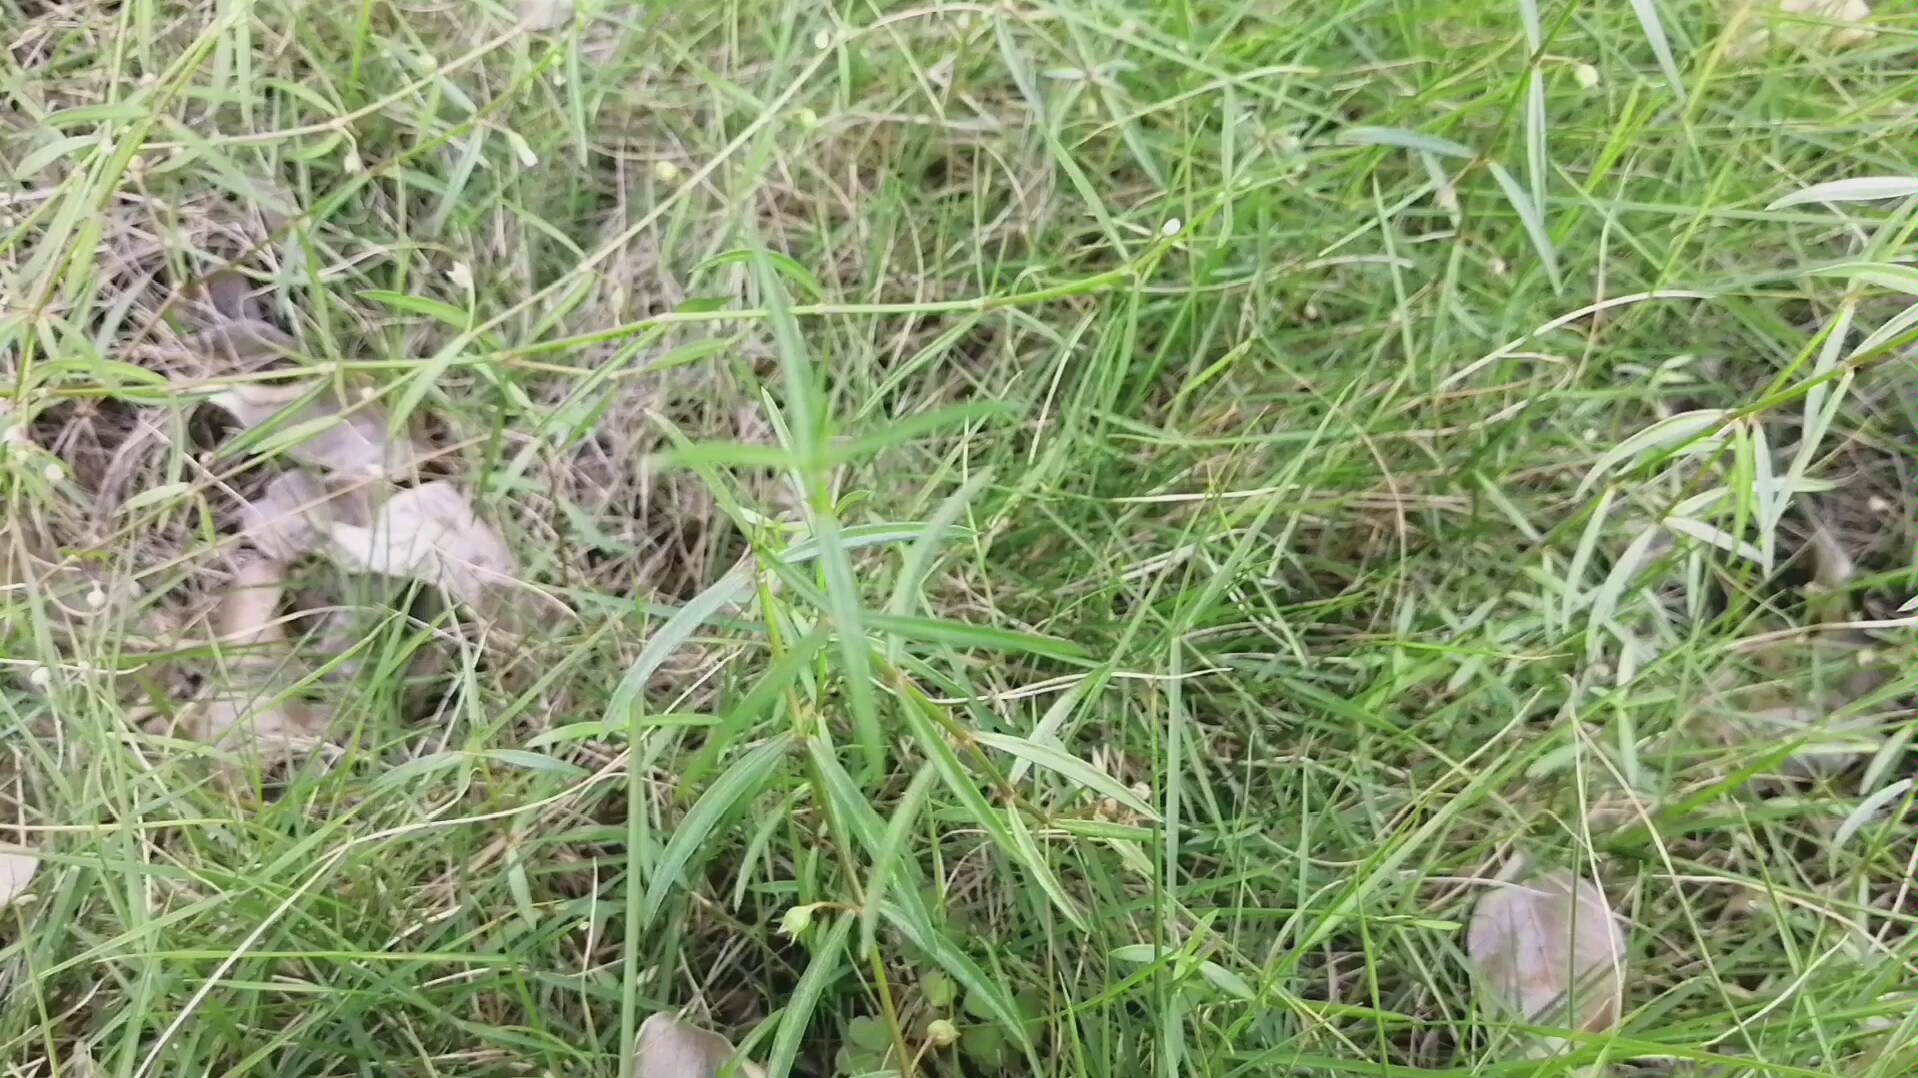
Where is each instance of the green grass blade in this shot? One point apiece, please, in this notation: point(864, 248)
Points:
point(1532, 216)
point(843, 606)
point(980, 637)
point(960, 967)
point(1653, 26)
point(826, 965)
point(1067, 766)
point(1856, 189)
point(891, 852)
point(919, 558)
point(923, 720)
point(1400, 138)
point(744, 779)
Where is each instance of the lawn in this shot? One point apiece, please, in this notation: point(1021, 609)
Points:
point(1068, 539)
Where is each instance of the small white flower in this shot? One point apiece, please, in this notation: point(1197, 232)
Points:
point(1585, 75)
point(1171, 227)
point(40, 678)
point(461, 275)
point(96, 598)
point(665, 171)
point(822, 40)
point(53, 473)
point(521, 150)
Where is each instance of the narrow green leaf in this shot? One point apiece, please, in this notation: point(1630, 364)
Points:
point(787, 267)
point(857, 537)
point(1673, 430)
point(688, 354)
point(414, 387)
point(52, 151)
point(1537, 159)
point(958, 634)
point(1828, 352)
point(854, 811)
point(739, 782)
point(1867, 810)
point(1227, 981)
point(1035, 859)
point(991, 996)
point(1067, 766)
point(806, 426)
point(1532, 216)
point(919, 558)
point(1717, 537)
point(1582, 554)
point(532, 761)
point(1856, 189)
point(828, 960)
point(758, 700)
point(421, 305)
point(901, 431)
point(420, 767)
point(1405, 140)
point(1046, 730)
point(165, 492)
point(734, 587)
point(920, 719)
point(892, 847)
point(1605, 599)
point(617, 729)
point(1654, 29)
point(1892, 275)
point(1894, 330)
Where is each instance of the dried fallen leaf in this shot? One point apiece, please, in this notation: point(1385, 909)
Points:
point(259, 723)
point(1805, 23)
point(248, 613)
point(288, 520)
point(670, 1048)
point(253, 715)
point(1551, 950)
point(545, 14)
point(1852, 13)
point(244, 344)
point(429, 533)
point(355, 443)
point(17, 866)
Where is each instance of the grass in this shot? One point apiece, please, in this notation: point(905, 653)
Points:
point(1101, 524)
